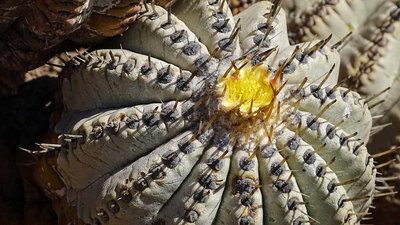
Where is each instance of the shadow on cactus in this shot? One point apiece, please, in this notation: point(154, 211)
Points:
point(196, 116)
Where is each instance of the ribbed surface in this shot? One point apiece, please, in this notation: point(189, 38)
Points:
point(153, 146)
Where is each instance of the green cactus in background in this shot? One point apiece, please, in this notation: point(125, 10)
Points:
point(370, 58)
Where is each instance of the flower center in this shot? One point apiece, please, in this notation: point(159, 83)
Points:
point(246, 89)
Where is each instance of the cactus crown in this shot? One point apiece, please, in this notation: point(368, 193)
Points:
point(247, 88)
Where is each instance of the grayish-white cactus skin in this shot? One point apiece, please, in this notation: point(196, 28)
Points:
point(155, 142)
point(370, 56)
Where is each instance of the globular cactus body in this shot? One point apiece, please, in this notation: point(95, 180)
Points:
point(207, 118)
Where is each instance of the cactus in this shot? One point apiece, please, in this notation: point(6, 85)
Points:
point(370, 56)
point(196, 116)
